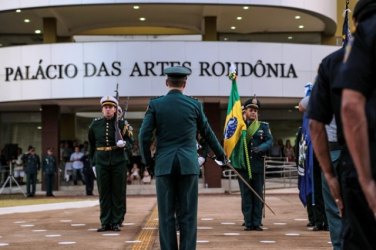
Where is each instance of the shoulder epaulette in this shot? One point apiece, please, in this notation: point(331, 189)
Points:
point(194, 98)
point(266, 123)
point(156, 97)
point(98, 118)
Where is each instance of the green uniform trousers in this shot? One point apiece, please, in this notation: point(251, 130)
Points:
point(111, 187)
point(251, 205)
point(177, 193)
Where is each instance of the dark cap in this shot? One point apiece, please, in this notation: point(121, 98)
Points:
point(177, 72)
point(252, 103)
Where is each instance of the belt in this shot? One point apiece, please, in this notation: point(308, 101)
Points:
point(334, 146)
point(109, 148)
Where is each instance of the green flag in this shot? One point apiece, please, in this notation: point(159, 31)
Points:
point(235, 128)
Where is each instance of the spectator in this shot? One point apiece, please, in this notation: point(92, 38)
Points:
point(289, 151)
point(19, 172)
point(89, 175)
point(135, 174)
point(276, 150)
point(136, 156)
point(66, 153)
point(77, 165)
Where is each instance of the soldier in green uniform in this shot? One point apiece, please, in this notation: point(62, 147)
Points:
point(176, 120)
point(107, 153)
point(259, 141)
point(31, 165)
point(49, 167)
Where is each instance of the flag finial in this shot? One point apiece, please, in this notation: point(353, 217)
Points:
point(232, 75)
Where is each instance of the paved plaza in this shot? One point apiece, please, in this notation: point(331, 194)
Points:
point(72, 225)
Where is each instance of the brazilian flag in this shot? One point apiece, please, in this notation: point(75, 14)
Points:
point(235, 128)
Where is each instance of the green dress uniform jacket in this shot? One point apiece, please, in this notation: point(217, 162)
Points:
point(263, 141)
point(49, 164)
point(258, 145)
point(110, 164)
point(31, 167)
point(176, 120)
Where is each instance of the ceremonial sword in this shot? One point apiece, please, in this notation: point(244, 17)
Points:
point(228, 164)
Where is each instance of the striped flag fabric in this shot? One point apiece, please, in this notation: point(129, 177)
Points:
point(235, 128)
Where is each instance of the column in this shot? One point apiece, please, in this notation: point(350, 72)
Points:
point(210, 29)
point(212, 172)
point(49, 30)
point(51, 134)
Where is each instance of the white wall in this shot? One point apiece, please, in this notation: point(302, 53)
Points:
point(67, 70)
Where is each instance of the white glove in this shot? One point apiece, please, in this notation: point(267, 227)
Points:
point(120, 143)
point(201, 160)
point(95, 173)
point(222, 163)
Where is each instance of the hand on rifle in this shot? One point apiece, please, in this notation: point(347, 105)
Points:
point(120, 143)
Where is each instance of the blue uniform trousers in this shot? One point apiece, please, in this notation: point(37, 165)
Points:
point(31, 181)
point(49, 181)
point(359, 230)
point(331, 209)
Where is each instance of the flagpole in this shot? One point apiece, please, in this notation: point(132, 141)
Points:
point(228, 164)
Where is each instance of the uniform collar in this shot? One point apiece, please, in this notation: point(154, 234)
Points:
point(174, 91)
point(111, 119)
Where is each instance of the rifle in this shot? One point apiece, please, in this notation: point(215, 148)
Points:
point(125, 109)
point(118, 136)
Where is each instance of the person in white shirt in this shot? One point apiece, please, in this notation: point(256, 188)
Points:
point(77, 165)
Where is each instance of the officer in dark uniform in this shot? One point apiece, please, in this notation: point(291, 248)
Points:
point(259, 141)
point(88, 174)
point(324, 104)
point(32, 165)
point(176, 119)
point(49, 167)
point(108, 156)
point(357, 82)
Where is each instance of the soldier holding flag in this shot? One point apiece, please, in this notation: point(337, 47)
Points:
point(246, 142)
point(259, 141)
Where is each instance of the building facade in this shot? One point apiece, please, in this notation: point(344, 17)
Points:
point(57, 58)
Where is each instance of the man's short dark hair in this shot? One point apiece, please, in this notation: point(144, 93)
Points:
point(176, 81)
